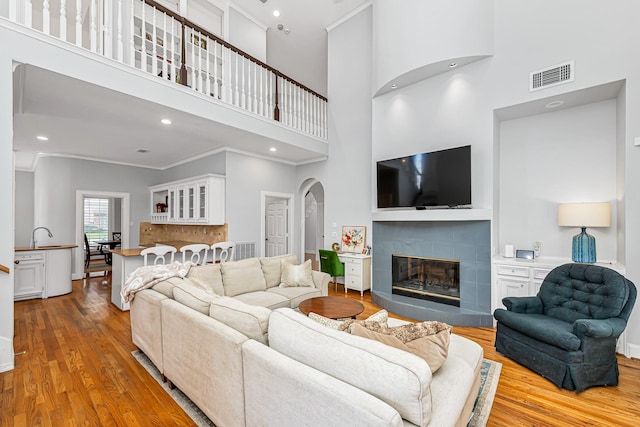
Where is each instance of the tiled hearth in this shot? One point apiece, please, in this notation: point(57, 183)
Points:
point(466, 241)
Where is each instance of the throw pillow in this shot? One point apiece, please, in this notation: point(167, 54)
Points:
point(296, 275)
point(272, 268)
point(380, 317)
point(428, 340)
point(208, 277)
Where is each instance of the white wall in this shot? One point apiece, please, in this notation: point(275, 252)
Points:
point(309, 67)
point(346, 175)
point(311, 223)
point(24, 205)
point(56, 180)
point(457, 107)
point(247, 35)
point(247, 177)
point(565, 156)
point(6, 214)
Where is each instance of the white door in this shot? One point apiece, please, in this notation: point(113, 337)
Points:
point(277, 220)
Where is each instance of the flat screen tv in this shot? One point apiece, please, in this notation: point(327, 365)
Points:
point(438, 179)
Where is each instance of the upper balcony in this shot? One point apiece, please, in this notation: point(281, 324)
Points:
point(232, 99)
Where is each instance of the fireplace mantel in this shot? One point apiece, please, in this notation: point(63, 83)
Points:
point(432, 215)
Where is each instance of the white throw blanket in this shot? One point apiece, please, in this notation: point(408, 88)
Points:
point(147, 276)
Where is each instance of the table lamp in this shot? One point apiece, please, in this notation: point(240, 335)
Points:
point(584, 215)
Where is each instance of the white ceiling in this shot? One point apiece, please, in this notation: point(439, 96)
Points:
point(64, 109)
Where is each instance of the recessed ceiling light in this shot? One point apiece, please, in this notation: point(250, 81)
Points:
point(273, 149)
point(554, 104)
point(276, 13)
point(394, 86)
point(165, 121)
point(453, 65)
point(42, 138)
point(142, 150)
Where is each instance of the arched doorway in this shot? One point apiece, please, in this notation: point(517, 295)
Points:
point(312, 220)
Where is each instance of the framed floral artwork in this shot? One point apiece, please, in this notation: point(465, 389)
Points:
point(354, 238)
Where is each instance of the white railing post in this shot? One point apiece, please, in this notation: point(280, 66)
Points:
point(107, 26)
point(174, 67)
point(154, 43)
point(165, 58)
point(93, 28)
point(132, 34)
point(28, 13)
point(46, 17)
point(120, 43)
point(208, 68)
point(63, 20)
point(215, 70)
point(79, 23)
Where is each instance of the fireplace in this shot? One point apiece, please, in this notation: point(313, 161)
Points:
point(431, 279)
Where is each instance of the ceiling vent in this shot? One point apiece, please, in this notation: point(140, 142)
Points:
point(556, 75)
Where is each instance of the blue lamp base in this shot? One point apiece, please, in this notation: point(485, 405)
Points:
point(584, 247)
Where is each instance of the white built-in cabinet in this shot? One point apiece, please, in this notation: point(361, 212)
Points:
point(519, 278)
point(357, 272)
point(197, 200)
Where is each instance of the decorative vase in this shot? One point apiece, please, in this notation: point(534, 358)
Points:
point(584, 247)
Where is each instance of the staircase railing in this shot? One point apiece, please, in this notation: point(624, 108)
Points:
point(149, 37)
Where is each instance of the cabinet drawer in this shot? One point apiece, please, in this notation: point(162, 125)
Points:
point(352, 261)
point(353, 282)
point(352, 270)
point(508, 270)
point(540, 273)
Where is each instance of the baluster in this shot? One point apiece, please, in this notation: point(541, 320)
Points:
point(193, 59)
point(229, 78)
point(208, 69)
point(63, 20)
point(132, 45)
point(325, 121)
point(307, 111)
point(199, 46)
point(172, 52)
point(46, 17)
point(28, 13)
point(236, 98)
point(285, 104)
point(165, 43)
point(216, 93)
point(120, 45)
point(269, 94)
point(316, 101)
point(93, 28)
point(249, 105)
point(243, 99)
point(107, 20)
point(154, 43)
point(143, 37)
point(256, 107)
point(261, 91)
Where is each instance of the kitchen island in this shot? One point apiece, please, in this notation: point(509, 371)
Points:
point(124, 261)
point(42, 272)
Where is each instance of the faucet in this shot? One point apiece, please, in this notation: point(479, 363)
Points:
point(33, 235)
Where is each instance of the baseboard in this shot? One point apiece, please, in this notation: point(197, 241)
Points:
point(633, 350)
point(6, 355)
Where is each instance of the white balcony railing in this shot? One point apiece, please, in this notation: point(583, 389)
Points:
point(156, 40)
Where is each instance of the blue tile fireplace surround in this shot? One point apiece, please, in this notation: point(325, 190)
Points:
point(466, 241)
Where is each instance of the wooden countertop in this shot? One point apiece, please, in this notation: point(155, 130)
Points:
point(136, 251)
point(44, 248)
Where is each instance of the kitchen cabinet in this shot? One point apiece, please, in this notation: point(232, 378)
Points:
point(197, 200)
point(29, 275)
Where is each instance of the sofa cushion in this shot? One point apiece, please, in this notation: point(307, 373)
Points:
point(396, 377)
point(251, 320)
point(194, 297)
point(431, 344)
point(208, 277)
point(296, 275)
point(296, 295)
point(165, 287)
point(240, 277)
point(272, 270)
point(266, 299)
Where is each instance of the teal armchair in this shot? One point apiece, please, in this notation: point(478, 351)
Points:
point(330, 264)
point(568, 332)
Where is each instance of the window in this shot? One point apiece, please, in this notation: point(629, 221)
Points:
point(96, 218)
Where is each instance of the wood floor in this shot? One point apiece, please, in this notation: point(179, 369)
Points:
point(77, 369)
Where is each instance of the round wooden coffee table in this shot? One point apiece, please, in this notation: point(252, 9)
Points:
point(332, 307)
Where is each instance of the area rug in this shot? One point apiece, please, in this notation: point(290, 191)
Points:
point(489, 377)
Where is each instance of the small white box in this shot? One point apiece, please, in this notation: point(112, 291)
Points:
point(508, 251)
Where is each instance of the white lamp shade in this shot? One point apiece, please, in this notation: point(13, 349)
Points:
point(584, 215)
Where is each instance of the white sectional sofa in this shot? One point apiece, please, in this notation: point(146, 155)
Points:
point(246, 365)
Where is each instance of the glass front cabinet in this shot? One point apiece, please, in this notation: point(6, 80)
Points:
point(198, 200)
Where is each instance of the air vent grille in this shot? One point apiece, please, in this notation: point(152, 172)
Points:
point(558, 74)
